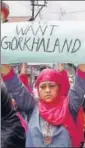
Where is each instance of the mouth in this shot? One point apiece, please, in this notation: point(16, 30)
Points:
point(48, 96)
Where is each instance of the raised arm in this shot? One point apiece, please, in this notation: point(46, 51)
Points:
point(24, 99)
point(76, 95)
point(24, 77)
point(64, 79)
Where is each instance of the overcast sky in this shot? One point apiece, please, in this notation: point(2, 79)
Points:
point(53, 11)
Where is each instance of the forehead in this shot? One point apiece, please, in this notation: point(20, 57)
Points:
point(47, 83)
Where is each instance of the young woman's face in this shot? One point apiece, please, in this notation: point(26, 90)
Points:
point(48, 91)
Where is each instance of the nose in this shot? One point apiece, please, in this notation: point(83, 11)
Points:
point(47, 89)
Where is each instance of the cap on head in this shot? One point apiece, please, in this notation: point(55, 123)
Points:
point(48, 75)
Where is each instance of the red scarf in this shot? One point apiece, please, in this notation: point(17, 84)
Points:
point(57, 112)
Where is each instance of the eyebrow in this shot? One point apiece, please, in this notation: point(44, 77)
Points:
point(52, 83)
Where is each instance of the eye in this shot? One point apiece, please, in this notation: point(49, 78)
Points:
point(52, 85)
point(43, 86)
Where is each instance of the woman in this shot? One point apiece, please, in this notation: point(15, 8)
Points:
point(53, 122)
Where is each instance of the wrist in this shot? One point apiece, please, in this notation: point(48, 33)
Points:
point(9, 75)
point(81, 73)
point(6, 71)
point(82, 67)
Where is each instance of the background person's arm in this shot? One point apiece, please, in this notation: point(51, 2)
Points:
point(76, 95)
point(22, 96)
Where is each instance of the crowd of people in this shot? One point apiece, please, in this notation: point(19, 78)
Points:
point(55, 119)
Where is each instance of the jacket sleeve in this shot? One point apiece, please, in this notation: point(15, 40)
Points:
point(24, 80)
point(22, 96)
point(29, 141)
point(12, 132)
point(76, 95)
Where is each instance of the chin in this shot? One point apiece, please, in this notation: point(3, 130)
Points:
point(48, 100)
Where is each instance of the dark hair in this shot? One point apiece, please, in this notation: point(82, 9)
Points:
point(12, 132)
point(42, 68)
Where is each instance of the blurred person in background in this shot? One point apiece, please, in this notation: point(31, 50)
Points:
point(23, 76)
point(12, 132)
point(4, 12)
point(23, 98)
point(71, 81)
point(84, 118)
